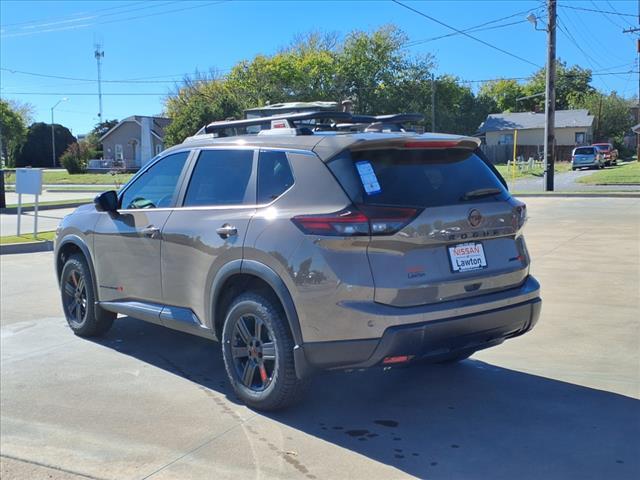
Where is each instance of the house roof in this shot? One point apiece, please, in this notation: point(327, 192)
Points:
point(528, 120)
point(157, 127)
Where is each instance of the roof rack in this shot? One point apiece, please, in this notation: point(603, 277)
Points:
point(291, 119)
point(301, 124)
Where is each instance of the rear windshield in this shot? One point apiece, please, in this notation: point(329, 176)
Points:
point(602, 147)
point(420, 178)
point(583, 151)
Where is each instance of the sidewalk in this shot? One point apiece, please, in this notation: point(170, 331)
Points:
point(12, 197)
point(47, 220)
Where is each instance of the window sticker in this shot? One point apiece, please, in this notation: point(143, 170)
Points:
point(368, 178)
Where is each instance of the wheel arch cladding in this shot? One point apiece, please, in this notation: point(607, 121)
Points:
point(237, 276)
point(74, 245)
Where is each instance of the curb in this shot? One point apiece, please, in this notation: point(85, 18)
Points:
point(578, 195)
point(26, 247)
point(14, 210)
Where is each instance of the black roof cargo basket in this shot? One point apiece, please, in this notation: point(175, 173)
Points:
point(306, 123)
point(281, 121)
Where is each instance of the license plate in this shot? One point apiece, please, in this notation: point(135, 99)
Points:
point(467, 257)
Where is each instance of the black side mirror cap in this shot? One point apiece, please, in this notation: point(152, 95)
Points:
point(106, 201)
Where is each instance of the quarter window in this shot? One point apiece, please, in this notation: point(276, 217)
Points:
point(155, 187)
point(274, 175)
point(220, 177)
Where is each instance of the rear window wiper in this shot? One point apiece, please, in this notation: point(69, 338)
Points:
point(481, 192)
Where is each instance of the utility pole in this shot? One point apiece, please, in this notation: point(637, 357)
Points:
point(99, 54)
point(550, 99)
point(637, 119)
point(433, 103)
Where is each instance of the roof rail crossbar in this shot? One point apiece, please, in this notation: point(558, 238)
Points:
point(292, 118)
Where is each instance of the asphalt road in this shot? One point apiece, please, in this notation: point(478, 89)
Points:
point(561, 402)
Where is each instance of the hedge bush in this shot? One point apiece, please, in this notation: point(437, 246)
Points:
point(76, 157)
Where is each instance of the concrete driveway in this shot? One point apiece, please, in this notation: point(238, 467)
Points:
point(144, 402)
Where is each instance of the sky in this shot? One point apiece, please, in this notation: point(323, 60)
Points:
point(150, 45)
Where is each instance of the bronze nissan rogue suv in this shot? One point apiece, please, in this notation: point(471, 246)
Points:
point(325, 240)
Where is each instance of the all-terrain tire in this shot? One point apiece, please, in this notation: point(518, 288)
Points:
point(85, 318)
point(272, 384)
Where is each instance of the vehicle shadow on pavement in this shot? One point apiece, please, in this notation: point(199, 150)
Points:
point(470, 420)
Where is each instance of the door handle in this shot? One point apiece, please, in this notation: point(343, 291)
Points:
point(151, 231)
point(226, 231)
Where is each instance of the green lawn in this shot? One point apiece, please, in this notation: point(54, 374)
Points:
point(623, 174)
point(27, 237)
point(62, 177)
point(507, 171)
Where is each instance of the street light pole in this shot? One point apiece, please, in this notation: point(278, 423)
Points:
point(53, 134)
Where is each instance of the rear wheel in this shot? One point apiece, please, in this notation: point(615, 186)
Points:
point(257, 348)
point(85, 318)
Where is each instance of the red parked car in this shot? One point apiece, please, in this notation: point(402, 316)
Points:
point(609, 153)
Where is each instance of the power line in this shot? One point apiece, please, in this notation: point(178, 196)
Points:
point(26, 22)
point(117, 20)
point(52, 23)
point(598, 11)
point(60, 77)
point(418, 12)
point(83, 94)
point(571, 38)
point(473, 29)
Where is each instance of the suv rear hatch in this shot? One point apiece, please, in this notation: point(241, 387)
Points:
point(442, 225)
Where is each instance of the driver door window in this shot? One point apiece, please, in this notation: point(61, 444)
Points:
point(155, 188)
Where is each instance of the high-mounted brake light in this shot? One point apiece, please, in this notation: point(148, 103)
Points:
point(431, 144)
point(357, 221)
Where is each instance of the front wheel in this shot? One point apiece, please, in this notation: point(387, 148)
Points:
point(257, 348)
point(85, 318)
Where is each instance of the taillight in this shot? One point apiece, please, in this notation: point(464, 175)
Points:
point(355, 221)
point(520, 216)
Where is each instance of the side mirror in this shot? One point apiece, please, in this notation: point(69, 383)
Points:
point(106, 201)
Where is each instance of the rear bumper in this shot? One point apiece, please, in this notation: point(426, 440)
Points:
point(431, 340)
point(585, 163)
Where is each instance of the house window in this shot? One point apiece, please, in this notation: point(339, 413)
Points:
point(506, 139)
point(581, 138)
point(119, 155)
point(158, 148)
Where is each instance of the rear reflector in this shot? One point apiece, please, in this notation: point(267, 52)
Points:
point(357, 221)
point(397, 359)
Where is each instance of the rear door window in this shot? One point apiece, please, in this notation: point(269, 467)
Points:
point(274, 175)
point(415, 177)
point(220, 177)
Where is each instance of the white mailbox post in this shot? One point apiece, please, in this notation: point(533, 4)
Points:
point(29, 181)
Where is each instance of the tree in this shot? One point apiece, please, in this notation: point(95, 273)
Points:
point(572, 84)
point(503, 93)
point(13, 132)
point(376, 73)
point(94, 136)
point(613, 118)
point(36, 150)
point(197, 104)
